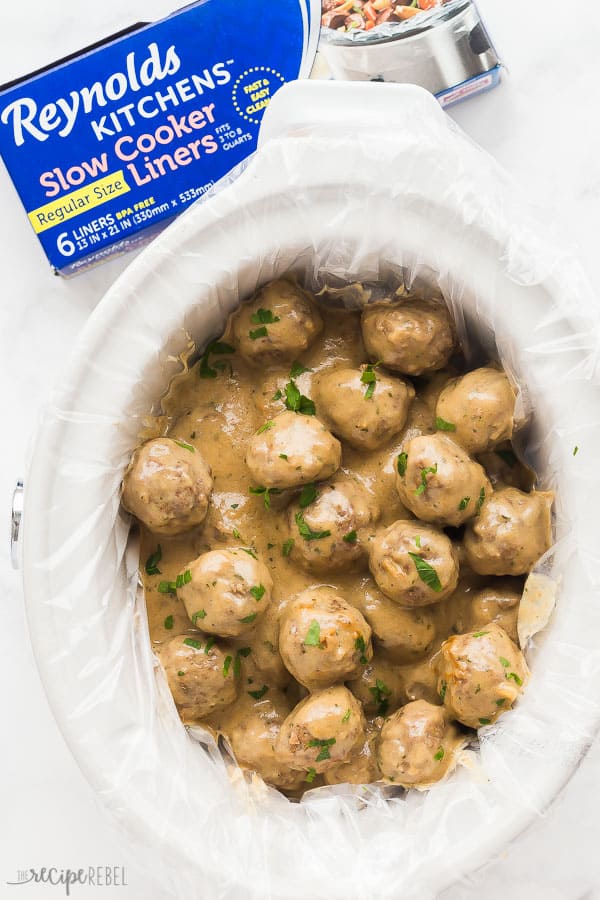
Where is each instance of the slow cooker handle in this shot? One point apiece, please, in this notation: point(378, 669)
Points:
point(15, 525)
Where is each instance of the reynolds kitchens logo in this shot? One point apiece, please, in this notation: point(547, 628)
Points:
point(93, 876)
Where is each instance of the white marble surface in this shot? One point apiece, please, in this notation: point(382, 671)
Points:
point(543, 125)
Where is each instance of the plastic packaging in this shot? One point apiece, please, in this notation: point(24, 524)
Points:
point(400, 196)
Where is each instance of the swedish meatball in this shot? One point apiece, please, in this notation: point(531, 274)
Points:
point(404, 634)
point(225, 591)
point(365, 407)
point(480, 675)
point(414, 337)
point(167, 486)
point(379, 687)
point(362, 766)
point(498, 603)
point(322, 638)
point(413, 564)
point(481, 407)
point(439, 482)
point(201, 674)
point(252, 726)
point(291, 450)
point(278, 324)
point(340, 515)
point(511, 533)
point(417, 745)
point(322, 731)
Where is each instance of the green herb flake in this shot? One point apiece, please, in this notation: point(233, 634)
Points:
point(439, 755)
point(401, 464)
point(258, 695)
point(283, 456)
point(418, 541)
point(266, 427)
point(425, 471)
point(442, 425)
point(183, 578)
point(311, 775)
point(501, 702)
point(575, 451)
point(298, 369)
point(443, 689)
point(153, 561)
point(360, 645)
point(504, 661)
point(263, 317)
point(426, 572)
point(369, 378)
point(266, 494)
point(236, 534)
point(346, 715)
point(324, 745)
point(190, 642)
point(516, 678)
point(186, 446)
point(257, 333)
point(308, 495)
point(167, 587)
point(484, 721)
point(209, 645)
point(248, 619)
point(287, 547)
point(351, 537)
point(464, 503)
point(258, 591)
point(227, 665)
point(181, 672)
point(201, 614)
point(295, 401)
point(169, 623)
point(313, 635)
point(306, 532)
point(278, 395)
point(381, 692)
point(478, 634)
point(480, 499)
point(249, 552)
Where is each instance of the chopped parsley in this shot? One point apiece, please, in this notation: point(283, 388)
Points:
point(311, 775)
point(313, 635)
point(266, 494)
point(478, 634)
point(287, 547)
point(248, 619)
point(263, 317)
point(359, 644)
point(324, 745)
point(268, 425)
point(249, 552)
point(277, 395)
point(442, 425)
point(258, 591)
point(501, 702)
point(181, 672)
point(183, 578)
point(306, 531)
point(283, 456)
point(418, 541)
point(516, 678)
point(346, 715)
point(425, 471)
point(258, 695)
point(484, 721)
point(426, 572)
point(369, 378)
point(401, 463)
point(153, 561)
point(209, 645)
point(507, 456)
point(504, 661)
point(295, 401)
point(351, 537)
point(186, 446)
point(169, 623)
point(201, 614)
point(480, 499)
point(298, 369)
point(227, 665)
point(443, 689)
point(167, 587)
point(381, 693)
point(309, 495)
point(218, 347)
point(440, 754)
point(190, 642)
point(236, 534)
point(575, 450)
point(464, 503)
point(257, 333)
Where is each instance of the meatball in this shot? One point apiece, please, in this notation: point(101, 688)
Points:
point(478, 408)
point(379, 687)
point(291, 450)
point(322, 731)
point(202, 675)
point(498, 603)
point(417, 745)
point(365, 407)
point(480, 675)
point(329, 532)
point(511, 533)
point(439, 482)
point(167, 486)
point(413, 564)
point(252, 727)
point(413, 337)
point(404, 634)
point(323, 639)
point(225, 591)
point(362, 766)
point(278, 324)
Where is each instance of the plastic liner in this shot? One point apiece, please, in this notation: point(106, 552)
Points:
point(396, 196)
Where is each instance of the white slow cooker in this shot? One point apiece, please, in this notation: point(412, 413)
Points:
point(396, 194)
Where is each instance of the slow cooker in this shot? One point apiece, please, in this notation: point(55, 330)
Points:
point(400, 195)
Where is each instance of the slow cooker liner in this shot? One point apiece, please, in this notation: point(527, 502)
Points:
point(419, 203)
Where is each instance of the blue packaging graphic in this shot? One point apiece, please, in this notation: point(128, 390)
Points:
point(106, 148)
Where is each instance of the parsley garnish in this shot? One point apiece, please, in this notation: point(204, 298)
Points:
point(258, 591)
point(359, 644)
point(287, 546)
point(209, 645)
point(464, 503)
point(190, 642)
point(181, 672)
point(266, 426)
point(501, 702)
point(426, 572)
point(266, 494)
point(167, 587)
point(153, 561)
point(227, 665)
point(440, 754)
point(484, 721)
point(369, 378)
point(418, 541)
point(236, 534)
point(258, 695)
point(480, 633)
point(311, 775)
point(427, 470)
point(258, 333)
point(183, 578)
point(351, 537)
point(401, 464)
point(308, 495)
point(305, 530)
point(481, 499)
point(277, 395)
point(186, 446)
point(283, 456)
point(442, 425)
point(324, 745)
point(443, 689)
point(263, 317)
point(346, 715)
point(313, 635)
point(575, 451)
point(380, 693)
point(297, 402)
point(504, 661)
point(218, 347)
point(249, 552)
point(298, 369)
point(248, 619)
point(169, 622)
point(516, 678)
point(201, 614)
